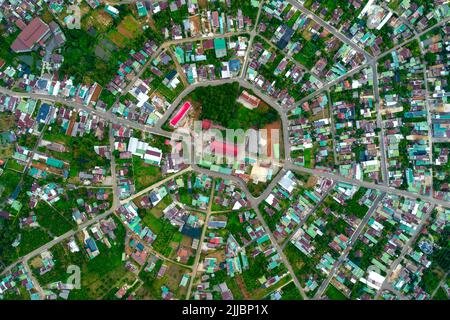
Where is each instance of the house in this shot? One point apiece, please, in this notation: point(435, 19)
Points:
point(141, 149)
point(114, 12)
point(249, 101)
point(288, 182)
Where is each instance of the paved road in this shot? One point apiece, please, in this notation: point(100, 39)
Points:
point(329, 85)
point(253, 34)
point(430, 125)
point(298, 64)
point(78, 106)
point(441, 284)
point(198, 253)
point(288, 164)
point(113, 170)
point(352, 241)
point(376, 92)
point(36, 284)
point(332, 127)
point(254, 204)
point(168, 44)
point(281, 253)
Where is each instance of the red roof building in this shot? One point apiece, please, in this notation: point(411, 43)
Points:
point(184, 109)
point(222, 148)
point(249, 100)
point(35, 32)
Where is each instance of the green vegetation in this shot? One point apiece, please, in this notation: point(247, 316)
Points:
point(334, 294)
point(219, 104)
point(52, 220)
point(98, 275)
point(290, 292)
point(81, 61)
point(8, 182)
point(6, 53)
point(145, 174)
point(81, 154)
point(81, 57)
point(167, 18)
point(440, 294)
point(307, 55)
point(171, 279)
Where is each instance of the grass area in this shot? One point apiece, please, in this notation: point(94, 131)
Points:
point(236, 228)
point(257, 269)
point(157, 210)
point(15, 166)
point(52, 220)
point(32, 239)
point(80, 56)
point(8, 182)
point(290, 292)
point(302, 265)
point(307, 55)
point(81, 61)
point(6, 121)
point(257, 188)
point(98, 275)
point(440, 295)
point(145, 174)
point(81, 154)
point(334, 294)
point(27, 140)
point(166, 233)
point(171, 279)
point(430, 279)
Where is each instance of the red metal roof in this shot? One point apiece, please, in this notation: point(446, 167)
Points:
point(186, 106)
point(30, 35)
point(223, 148)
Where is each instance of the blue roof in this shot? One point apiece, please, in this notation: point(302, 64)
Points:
point(235, 65)
point(91, 244)
point(43, 112)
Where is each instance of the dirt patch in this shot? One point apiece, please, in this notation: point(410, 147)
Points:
point(36, 263)
point(243, 288)
point(6, 122)
point(320, 115)
point(186, 241)
point(276, 126)
point(117, 38)
point(312, 180)
point(196, 25)
point(123, 31)
point(203, 3)
point(100, 20)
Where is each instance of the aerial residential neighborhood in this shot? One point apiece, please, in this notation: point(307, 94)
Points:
point(224, 150)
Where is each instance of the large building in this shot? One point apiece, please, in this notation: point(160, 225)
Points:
point(33, 34)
